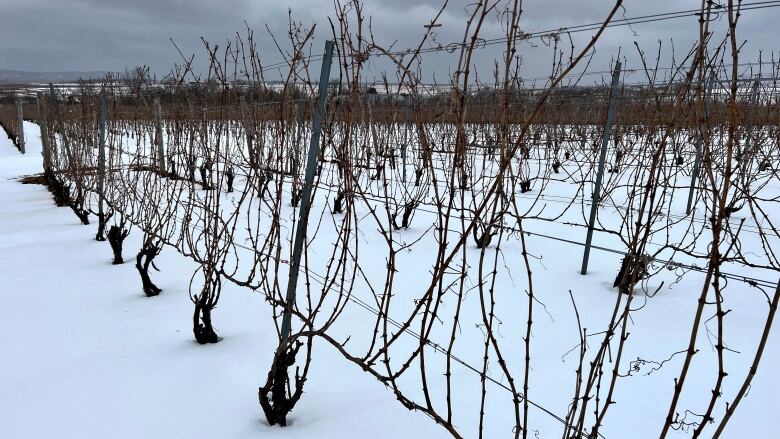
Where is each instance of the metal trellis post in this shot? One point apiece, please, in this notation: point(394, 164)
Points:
point(20, 115)
point(44, 132)
point(405, 146)
point(58, 114)
point(697, 160)
point(602, 157)
point(311, 166)
point(102, 155)
point(296, 160)
point(159, 131)
point(746, 154)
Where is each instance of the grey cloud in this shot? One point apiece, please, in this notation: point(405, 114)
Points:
point(49, 35)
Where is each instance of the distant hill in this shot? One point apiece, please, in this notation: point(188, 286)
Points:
point(20, 77)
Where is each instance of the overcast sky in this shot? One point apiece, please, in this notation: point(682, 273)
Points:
point(83, 35)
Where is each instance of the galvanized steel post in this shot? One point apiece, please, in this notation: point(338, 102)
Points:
point(311, 166)
point(602, 157)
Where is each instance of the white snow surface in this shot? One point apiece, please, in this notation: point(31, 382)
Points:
point(87, 355)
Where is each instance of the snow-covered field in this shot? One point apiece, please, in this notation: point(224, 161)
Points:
point(88, 355)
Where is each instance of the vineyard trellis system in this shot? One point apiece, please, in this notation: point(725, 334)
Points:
point(427, 205)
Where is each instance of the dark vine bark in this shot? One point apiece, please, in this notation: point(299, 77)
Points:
point(205, 176)
point(103, 218)
point(143, 261)
point(338, 203)
point(633, 268)
point(230, 176)
point(116, 236)
point(273, 395)
point(202, 327)
point(406, 218)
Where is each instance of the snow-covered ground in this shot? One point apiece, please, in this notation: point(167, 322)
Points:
point(88, 355)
